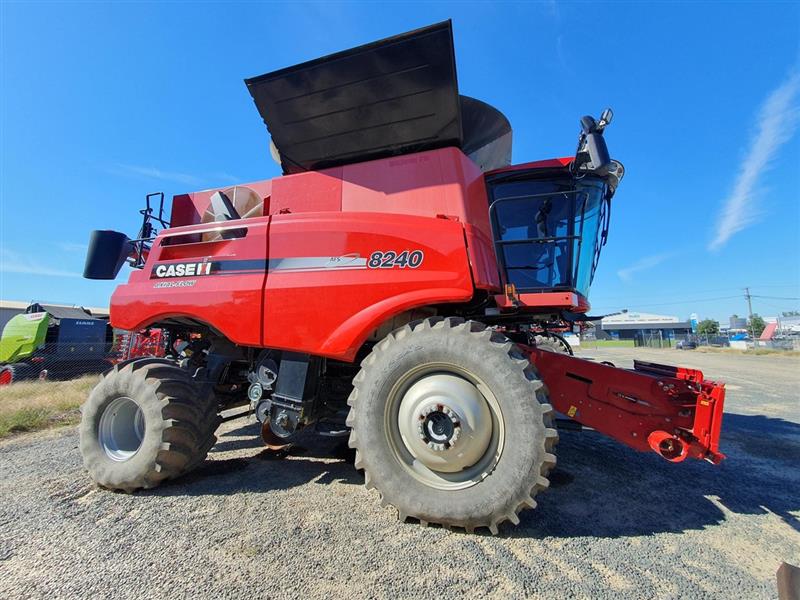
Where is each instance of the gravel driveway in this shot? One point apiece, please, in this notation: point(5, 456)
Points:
point(615, 524)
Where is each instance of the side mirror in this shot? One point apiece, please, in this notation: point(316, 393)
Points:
point(106, 255)
point(605, 118)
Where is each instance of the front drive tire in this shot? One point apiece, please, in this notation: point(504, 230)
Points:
point(145, 422)
point(451, 425)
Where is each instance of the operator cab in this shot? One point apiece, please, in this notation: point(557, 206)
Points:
point(548, 231)
point(550, 219)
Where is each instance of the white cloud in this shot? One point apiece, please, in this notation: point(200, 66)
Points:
point(13, 262)
point(777, 121)
point(224, 177)
point(216, 178)
point(153, 173)
point(72, 246)
point(644, 263)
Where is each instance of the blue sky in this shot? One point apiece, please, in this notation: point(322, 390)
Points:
point(104, 103)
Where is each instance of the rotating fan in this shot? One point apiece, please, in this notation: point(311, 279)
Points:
point(238, 202)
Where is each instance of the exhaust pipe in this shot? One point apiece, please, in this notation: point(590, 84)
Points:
point(668, 446)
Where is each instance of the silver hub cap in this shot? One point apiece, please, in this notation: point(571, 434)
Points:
point(121, 429)
point(447, 427)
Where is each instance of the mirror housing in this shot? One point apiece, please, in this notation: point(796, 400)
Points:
point(588, 124)
point(107, 253)
point(598, 153)
point(592, 154)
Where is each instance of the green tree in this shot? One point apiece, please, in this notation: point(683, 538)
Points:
point(756, 325)
point(707, 327)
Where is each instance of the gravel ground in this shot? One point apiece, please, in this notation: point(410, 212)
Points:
point(615, 524)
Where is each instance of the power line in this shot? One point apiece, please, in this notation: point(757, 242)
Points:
point(725, 289)
point(775, 297)
point(689, 301)
point(773, 306)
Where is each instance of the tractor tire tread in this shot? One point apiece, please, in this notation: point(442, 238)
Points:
point(490, 341)
point(181, 417)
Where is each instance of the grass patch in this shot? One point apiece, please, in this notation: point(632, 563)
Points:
point(34, 405)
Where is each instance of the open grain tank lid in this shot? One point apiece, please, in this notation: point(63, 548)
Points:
point(391, 97)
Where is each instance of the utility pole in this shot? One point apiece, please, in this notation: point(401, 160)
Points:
point(750, 311)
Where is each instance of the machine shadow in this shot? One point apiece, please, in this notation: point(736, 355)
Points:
point(600, 488)
point(309, 459)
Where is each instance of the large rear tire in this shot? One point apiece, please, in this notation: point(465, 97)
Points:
point(145, 422)
point(451, 425)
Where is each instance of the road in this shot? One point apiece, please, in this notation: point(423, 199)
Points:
point(615, 523)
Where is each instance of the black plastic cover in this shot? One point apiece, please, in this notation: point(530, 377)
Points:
point(106, 254)
point(394, 96)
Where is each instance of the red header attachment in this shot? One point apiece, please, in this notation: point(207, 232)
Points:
point(672, 411)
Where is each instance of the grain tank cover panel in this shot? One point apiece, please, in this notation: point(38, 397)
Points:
point(391, 97)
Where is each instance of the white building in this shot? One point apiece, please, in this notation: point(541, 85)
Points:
point(632, 324)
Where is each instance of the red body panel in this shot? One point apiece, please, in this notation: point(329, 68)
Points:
point(565, 300)
point(433, 202)
point(232, 304)
point(188, 209)
point(330, 310)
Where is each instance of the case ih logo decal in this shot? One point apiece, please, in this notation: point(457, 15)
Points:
point(192, 269)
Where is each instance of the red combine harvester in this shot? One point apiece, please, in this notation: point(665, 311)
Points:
point(401, 283)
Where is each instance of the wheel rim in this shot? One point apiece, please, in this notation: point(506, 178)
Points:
point(444, 426)
point(121, 429)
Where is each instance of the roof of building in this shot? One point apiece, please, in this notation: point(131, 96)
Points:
point(769, 331)
point(21, 306)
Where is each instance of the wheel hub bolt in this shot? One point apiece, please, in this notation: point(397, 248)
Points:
point(438, 426)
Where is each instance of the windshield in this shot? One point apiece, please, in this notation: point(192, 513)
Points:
point(548, 233)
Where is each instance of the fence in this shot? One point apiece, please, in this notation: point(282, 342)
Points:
point(656, 339)
point(787, 343)
point(63, 361)
point(652, 339)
